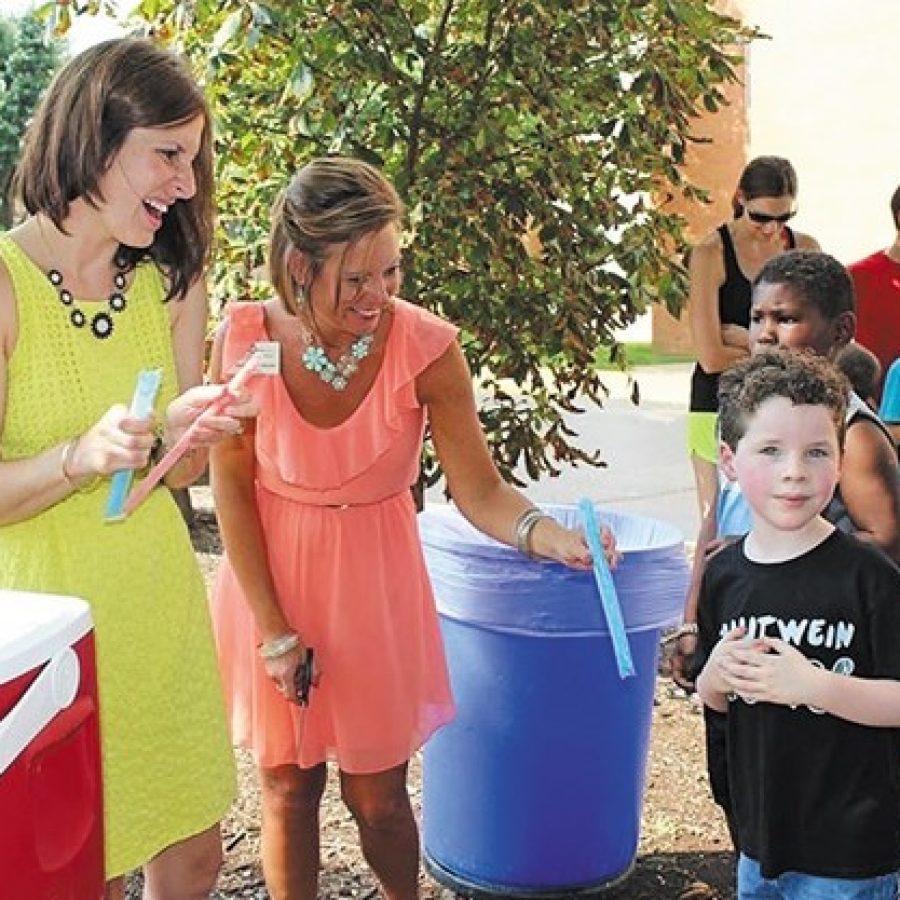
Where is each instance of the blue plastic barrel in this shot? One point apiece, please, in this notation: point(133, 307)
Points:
point(536, 787)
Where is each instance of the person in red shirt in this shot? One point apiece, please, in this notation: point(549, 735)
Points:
point(877, 282)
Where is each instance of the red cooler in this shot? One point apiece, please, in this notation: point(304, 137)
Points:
point(51, 818)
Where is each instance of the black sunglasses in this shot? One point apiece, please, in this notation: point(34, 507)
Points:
point(762, 218)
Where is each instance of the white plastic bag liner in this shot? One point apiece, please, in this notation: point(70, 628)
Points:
point(480, 581)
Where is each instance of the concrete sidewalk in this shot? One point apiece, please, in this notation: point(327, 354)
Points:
point(648, 472)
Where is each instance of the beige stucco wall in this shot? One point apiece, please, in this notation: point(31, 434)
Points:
point(823, 93)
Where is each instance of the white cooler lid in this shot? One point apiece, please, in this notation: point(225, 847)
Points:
point(34, 627)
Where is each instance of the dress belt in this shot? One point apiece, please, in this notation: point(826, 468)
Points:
point(275, 485)
point(359, 505)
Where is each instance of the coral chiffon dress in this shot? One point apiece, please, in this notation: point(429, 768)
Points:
point(343, 547)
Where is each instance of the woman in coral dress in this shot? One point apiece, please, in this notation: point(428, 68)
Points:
point(322, 547)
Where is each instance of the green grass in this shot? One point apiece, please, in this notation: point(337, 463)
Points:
point(639, 354)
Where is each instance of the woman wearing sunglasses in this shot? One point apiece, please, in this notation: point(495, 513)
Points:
point(722, 267)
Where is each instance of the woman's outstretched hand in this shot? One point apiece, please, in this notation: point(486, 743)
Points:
point(568, 546)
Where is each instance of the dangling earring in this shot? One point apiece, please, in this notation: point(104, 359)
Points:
point(298, 269)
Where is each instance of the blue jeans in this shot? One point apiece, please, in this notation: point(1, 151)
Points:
point(796, 886)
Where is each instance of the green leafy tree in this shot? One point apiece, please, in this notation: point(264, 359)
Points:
point(7, 38)
point(26, 69)
point(534, 142)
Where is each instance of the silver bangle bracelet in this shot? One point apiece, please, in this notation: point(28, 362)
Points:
point(524, 526)
point(66, 460)
point(279, 646)
point(68, 453)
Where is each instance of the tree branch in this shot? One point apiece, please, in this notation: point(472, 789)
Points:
point(415, 125)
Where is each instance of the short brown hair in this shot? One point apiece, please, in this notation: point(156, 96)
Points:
point(331, 200)
point(862, 368)
point(90, 108)
point(800, 376)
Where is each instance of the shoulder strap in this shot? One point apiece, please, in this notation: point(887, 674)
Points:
point(859, 409)
point(732, 270)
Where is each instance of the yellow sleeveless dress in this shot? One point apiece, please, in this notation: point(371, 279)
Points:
point(168, 767)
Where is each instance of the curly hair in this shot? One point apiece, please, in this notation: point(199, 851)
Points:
point(800, 376)
point(895, 208)
point(817, 277)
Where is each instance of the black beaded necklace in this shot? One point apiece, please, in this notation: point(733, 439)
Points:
point(101, 322)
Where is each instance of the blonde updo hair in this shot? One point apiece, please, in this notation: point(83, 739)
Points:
point(331, 200)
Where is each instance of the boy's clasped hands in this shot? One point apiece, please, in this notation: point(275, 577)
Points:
point(762, 669)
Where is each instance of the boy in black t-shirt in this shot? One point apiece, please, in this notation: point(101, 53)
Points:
point(798, 626)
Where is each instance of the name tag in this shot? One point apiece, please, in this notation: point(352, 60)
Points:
point(268, 357)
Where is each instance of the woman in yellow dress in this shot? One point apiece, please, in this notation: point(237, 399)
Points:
point(103, 279)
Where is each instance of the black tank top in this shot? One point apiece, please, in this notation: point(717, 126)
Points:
point(734, 309)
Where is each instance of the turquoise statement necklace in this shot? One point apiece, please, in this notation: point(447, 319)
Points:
point(338, 373)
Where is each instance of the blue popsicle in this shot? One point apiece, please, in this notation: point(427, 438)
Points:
point(142, 401)
point(612, 609)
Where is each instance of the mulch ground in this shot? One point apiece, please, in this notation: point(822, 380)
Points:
point(684, 851)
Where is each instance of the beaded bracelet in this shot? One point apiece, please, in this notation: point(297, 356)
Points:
point(688, 628)
point(524, 526)
point(279, 646)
